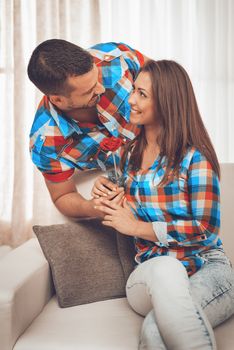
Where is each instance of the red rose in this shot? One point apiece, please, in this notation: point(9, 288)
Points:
point(110, 143)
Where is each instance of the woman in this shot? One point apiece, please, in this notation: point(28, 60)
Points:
point(183, 283)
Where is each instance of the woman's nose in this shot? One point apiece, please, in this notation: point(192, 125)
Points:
point(131, 99)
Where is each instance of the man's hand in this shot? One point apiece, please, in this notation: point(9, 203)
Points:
point(119, 217)
point(105, 188)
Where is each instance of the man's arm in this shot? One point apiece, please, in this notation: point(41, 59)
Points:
point(69, 202)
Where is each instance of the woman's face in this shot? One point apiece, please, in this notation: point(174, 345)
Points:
point(141, 101)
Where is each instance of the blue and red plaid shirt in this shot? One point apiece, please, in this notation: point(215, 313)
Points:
point(59, 145)
point(185, 212)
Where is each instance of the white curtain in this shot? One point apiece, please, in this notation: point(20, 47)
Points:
point(199, 34)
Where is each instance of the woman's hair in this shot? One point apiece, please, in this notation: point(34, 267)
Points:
point(179, 118)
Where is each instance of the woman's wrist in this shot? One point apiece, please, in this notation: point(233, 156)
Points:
point(145, 230)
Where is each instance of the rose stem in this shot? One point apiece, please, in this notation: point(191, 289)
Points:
point(116, 176)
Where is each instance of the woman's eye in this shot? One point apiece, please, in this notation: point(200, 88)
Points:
point(142, 94)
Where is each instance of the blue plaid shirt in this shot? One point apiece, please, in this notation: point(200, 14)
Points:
point(185, 211)
point(59, 145)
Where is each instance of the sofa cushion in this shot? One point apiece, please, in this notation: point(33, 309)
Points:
point(89, 262)
point(105, 325)
point(110, 324)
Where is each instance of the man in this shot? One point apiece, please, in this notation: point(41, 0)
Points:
point(85, 101)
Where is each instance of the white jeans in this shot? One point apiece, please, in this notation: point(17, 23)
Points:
point(177, 320)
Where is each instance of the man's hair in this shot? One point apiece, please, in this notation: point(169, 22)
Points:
point(53, 61)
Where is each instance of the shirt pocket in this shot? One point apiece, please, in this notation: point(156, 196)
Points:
point(81, 152)
point(173, 188)
point(173, 198)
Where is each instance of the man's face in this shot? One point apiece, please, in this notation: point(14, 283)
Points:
point(85, 91)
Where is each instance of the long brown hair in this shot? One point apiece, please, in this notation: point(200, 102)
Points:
point(181, 123)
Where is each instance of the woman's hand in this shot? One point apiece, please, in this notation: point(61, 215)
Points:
point(105, 188)
point(118, 199)
point(119, 217)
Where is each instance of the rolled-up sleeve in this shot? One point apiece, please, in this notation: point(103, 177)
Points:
point(52, 169)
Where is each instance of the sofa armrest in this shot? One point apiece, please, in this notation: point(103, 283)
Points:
point(25, 288)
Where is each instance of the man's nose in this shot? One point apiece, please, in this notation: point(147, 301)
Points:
point(99, 89)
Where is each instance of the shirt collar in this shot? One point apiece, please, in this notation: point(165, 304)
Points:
point(66, 126)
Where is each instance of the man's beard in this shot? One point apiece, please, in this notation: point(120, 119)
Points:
point(92, 103)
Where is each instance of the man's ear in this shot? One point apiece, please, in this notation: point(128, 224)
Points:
point(57, 100)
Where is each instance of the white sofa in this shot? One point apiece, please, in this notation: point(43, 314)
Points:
point(30, 318)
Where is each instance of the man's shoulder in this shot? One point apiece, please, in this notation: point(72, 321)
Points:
point(44, 123)
point(110, 50)
point(105, 47)
point(110, 46)
point(105, 51)
point(42, 116)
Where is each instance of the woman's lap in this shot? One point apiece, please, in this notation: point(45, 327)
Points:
point(163, 284)
point(152, 273)
point(212, 287)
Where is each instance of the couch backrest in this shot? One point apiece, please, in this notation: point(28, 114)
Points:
point(227, 208)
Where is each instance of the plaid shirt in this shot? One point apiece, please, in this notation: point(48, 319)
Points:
point(59, 145)
point(185, 212)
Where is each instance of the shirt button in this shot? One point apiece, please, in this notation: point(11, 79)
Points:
point(42, 138)
point(107, 57)
point(124, 139)
point(91, 159)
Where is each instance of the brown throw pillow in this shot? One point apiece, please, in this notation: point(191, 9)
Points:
point(126, 250)
point(89, 262)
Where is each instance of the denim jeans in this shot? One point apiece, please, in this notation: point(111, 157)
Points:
point(180, 311)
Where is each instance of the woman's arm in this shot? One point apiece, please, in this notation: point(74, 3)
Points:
point(122, 219)
point(204, 192)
